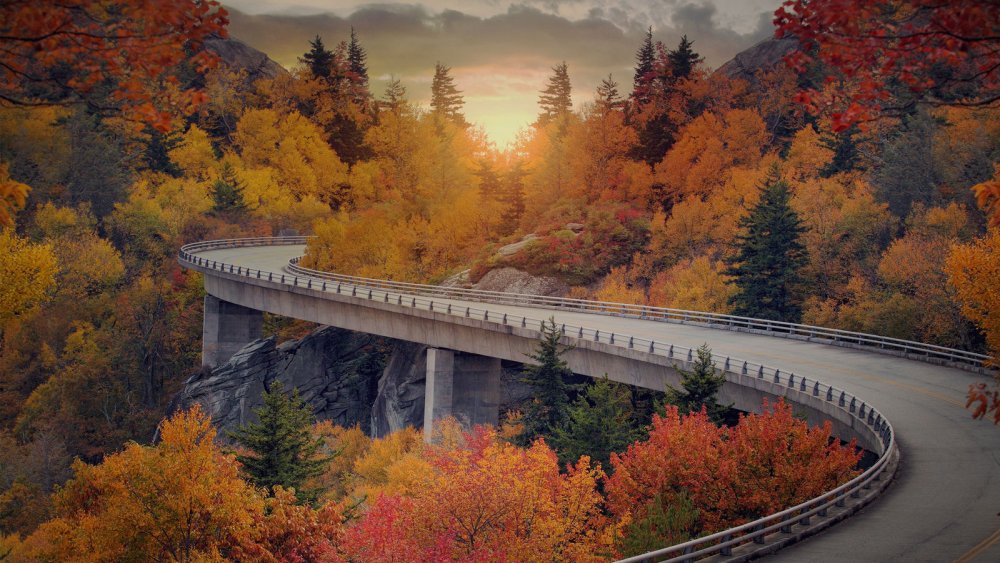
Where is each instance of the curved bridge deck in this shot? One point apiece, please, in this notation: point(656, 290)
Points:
point(943, 504)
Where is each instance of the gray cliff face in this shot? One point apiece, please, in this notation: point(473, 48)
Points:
point(335, 371)
point(347, 377)
point(400, 399)
point(763, 56)
point(237, 55)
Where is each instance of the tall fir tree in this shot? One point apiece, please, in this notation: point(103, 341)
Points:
point(699, 387)
point(683, 60)
point(394, 96)
point(227, 192)
point(446, 99)
point(357, 59)
point(490, 188)
point(556, 100)
point(608, 98)
point(549, 407)
point(282, 450)
point(645, 58)
point(513, 189)
point(601, 421)
point(319, 59)
point(768, 257)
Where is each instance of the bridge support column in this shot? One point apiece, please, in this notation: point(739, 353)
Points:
point(227, 328)
point(465, 386)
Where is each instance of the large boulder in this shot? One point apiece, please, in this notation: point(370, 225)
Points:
point(512, 280)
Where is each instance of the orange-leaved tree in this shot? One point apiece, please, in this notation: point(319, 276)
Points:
point(766, 463)
point(488, 500)
point(180, 500)
point(77, 51)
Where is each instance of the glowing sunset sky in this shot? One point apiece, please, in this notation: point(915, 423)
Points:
point(501, 53)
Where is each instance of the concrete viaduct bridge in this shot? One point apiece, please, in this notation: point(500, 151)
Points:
point(939, 469)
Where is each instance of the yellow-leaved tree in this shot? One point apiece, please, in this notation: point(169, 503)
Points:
point(27, 274)
point(181, 500)
point(973, 270)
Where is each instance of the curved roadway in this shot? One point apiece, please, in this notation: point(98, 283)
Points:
point(943, 505)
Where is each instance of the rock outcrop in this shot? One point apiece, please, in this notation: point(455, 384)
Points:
point(346, 377)
point(763, 56)
point(238, 56)
point(336, 372)
point(511, 280)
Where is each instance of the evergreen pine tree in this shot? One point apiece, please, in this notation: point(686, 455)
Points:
point(513, 189)
point(489, 182)
point(556, 99)
point(357, 59)
point(608, 99)
point(319, 59)
point(699, 388)
point(446, 99)
point(548, 409)
point(600, 421)
point(394, 96)
point(644, 59)
point(227, 192)
point(282, 450)
point(768, 257)
point(683, 59)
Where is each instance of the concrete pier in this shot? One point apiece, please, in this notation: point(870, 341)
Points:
point(227, 328)
point(465, 386)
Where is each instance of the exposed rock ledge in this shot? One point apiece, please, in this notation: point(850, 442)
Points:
point(339, 373)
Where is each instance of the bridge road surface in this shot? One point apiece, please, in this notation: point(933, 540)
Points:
point(944, 503)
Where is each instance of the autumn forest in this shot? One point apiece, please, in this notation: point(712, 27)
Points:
point(124, 134)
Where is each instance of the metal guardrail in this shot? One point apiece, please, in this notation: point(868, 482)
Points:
point(963, 359)
point(869, 420)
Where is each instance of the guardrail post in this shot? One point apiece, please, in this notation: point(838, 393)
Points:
point(369, 294)
point(760, 372)
point(670, 352)
point(630, 342)
point(690, 355)
point(651, 350)
point(385, 299)
point(413, 302)
point(791, 379)
point(504, 318)
point(852, 403)
point(726, 367)
point(524, 322)
point(759, 538)
point(829, 393)
point(309, 283)
point(744, 371)
point(816, 390)
point(581, 333)
point(269, 276)
point(787, 527)
point(802, 386)
point(805, 519)
point(777, 375)
point(282, 278)
point(486, 315)
point(449, 308)
point(861, 413)
point(431, 309)
point(466, 311)
point(597, 336)
point(728, 549)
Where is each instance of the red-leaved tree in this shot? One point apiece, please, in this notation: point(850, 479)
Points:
point(115, 56)
point(887, 55)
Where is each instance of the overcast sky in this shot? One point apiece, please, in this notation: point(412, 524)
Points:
point(501, 53)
